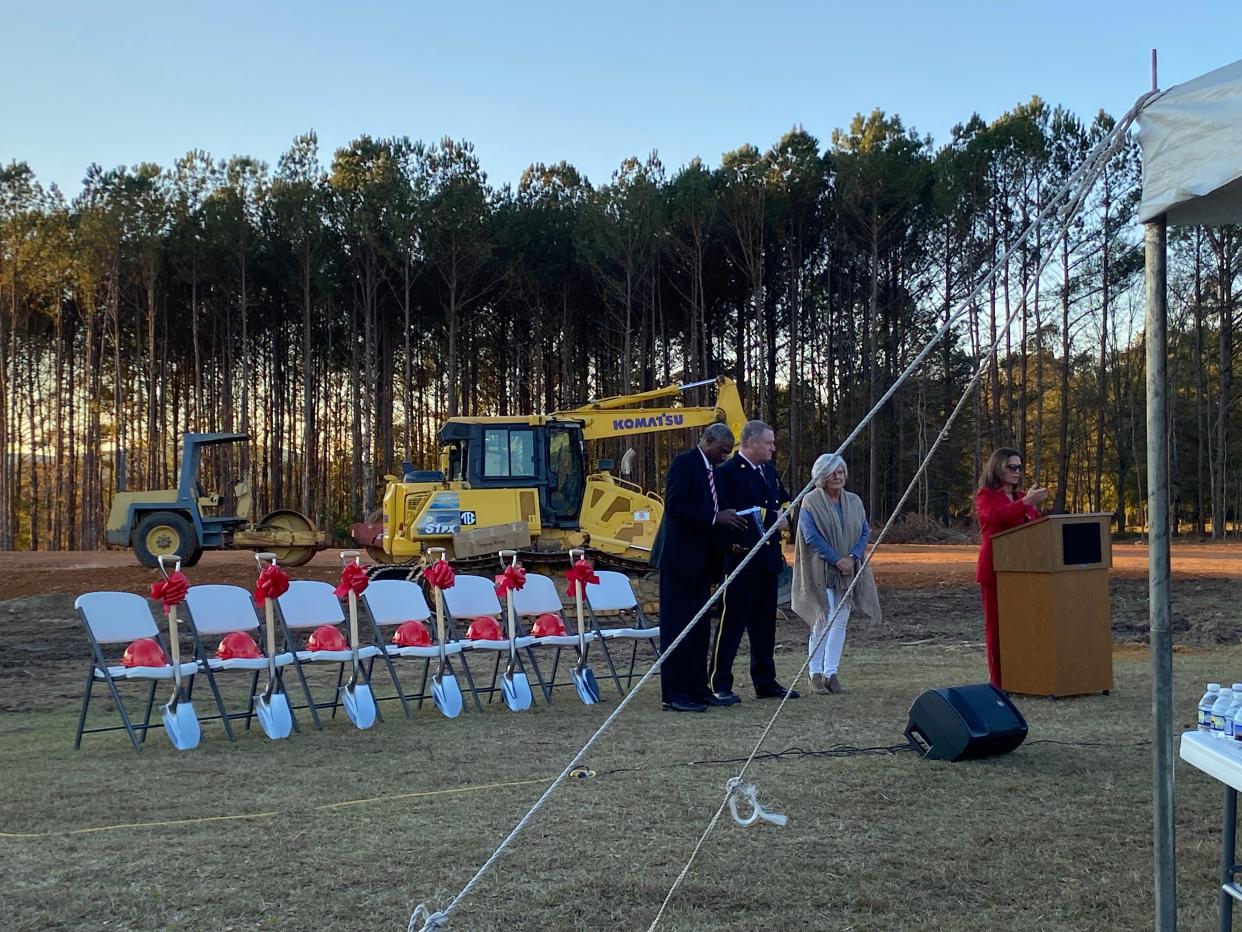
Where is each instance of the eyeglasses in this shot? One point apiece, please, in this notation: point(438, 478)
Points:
point(1016, 467)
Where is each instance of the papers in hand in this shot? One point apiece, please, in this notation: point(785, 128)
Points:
point(756, 515)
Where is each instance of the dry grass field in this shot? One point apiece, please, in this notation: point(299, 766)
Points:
point(350, 830)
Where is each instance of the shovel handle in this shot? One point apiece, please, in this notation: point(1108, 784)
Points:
point(269, 617)
point(440, 625)
point(264, 556)
point(174, 647)
point(348, 555)
point(353, 629)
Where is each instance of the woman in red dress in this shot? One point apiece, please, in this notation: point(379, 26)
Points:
point(999, 505)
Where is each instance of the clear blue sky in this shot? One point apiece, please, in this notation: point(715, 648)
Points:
point(529, 80)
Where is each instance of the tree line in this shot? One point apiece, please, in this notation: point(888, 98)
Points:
point(337, 312)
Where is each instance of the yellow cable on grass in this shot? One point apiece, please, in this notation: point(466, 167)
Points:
point(267, 815)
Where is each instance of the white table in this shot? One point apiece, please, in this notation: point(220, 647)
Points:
point(1221, 759)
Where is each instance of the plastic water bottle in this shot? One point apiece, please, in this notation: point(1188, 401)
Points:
point(1224, 699)
point(1233, 710)
point(1205, 706)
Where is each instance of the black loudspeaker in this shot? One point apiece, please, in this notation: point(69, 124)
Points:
point(964, 723)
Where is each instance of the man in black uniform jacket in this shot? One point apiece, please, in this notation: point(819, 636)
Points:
point(748, 480)
point(689, 562)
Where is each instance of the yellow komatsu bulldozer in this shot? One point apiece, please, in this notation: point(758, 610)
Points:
point(522, 483)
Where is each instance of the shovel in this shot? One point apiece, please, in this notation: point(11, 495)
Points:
point(584, 677)
point(272, 704)
point(357, 697)
point(444, 689)
point(180, 722)
point(514, 682)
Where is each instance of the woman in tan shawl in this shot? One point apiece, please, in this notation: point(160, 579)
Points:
point(828, 552)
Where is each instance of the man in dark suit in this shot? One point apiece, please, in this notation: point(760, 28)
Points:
point(689, 562)
point(749, 481)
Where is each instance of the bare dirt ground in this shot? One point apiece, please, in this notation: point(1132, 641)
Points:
point(928, 593)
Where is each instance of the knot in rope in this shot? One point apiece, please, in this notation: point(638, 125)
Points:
point(579, 575)
point(171, 591)
point(431, 921)
point(440, 574)
point(733, 788)
point(353, 579)
point(513, 578)
point(273, 583)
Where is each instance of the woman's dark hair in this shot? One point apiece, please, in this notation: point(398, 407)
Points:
point(993, 475)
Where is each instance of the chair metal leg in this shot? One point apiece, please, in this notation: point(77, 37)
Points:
point(422, 686)
point(530, 654)
point(120, 708)
point(146, 715)
point(336, 693)
point(465, 666)
point(254, 690)
point(396, 683)
point(86, 701)
point(310, 700)
point(215, 692)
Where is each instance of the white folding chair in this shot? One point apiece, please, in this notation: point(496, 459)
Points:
point(539, 597)
point(304, 607)
point(213, 611)
point(391, 602)
point(120, 618)
point(613, 595)
point(474, 596)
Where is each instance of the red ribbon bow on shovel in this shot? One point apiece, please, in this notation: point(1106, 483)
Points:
point(353, 579)
point(273, 583)
point(440, 574)
point(171, 591)
point(579, 575)
point(513, 578)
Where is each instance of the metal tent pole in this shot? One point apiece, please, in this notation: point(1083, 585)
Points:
point(1155, 237)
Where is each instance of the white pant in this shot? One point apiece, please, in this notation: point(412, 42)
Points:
point(828, 638)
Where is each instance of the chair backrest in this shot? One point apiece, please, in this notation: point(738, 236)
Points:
point(392, 601)
point(309, 604)
point(472, 596)
point(539, 595)
point(112, 617)
point(219, 609)
point(612, 593)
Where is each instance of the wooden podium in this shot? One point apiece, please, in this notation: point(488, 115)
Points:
point(1052, 591)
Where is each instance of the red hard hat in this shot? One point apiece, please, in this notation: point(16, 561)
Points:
point(548, 625)
point(327, 637)
point(144, 652)
point(485, 628)
point(412, 634)
point(238, 645)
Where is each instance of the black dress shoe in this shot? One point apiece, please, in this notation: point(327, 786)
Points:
point(779, 693)
point(729, 698)
point(684, 707)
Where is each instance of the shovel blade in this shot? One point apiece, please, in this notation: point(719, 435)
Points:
point(588, 689)
point(181, 725)
point(517, 691)
point(447, 695)
point(274, 715)
point(359, 704)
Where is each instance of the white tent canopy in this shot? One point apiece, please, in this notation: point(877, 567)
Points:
point(1192, 151)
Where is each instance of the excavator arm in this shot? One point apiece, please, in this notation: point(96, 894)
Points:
point(621, 416)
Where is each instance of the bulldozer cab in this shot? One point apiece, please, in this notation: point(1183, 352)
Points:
point(547, 458)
